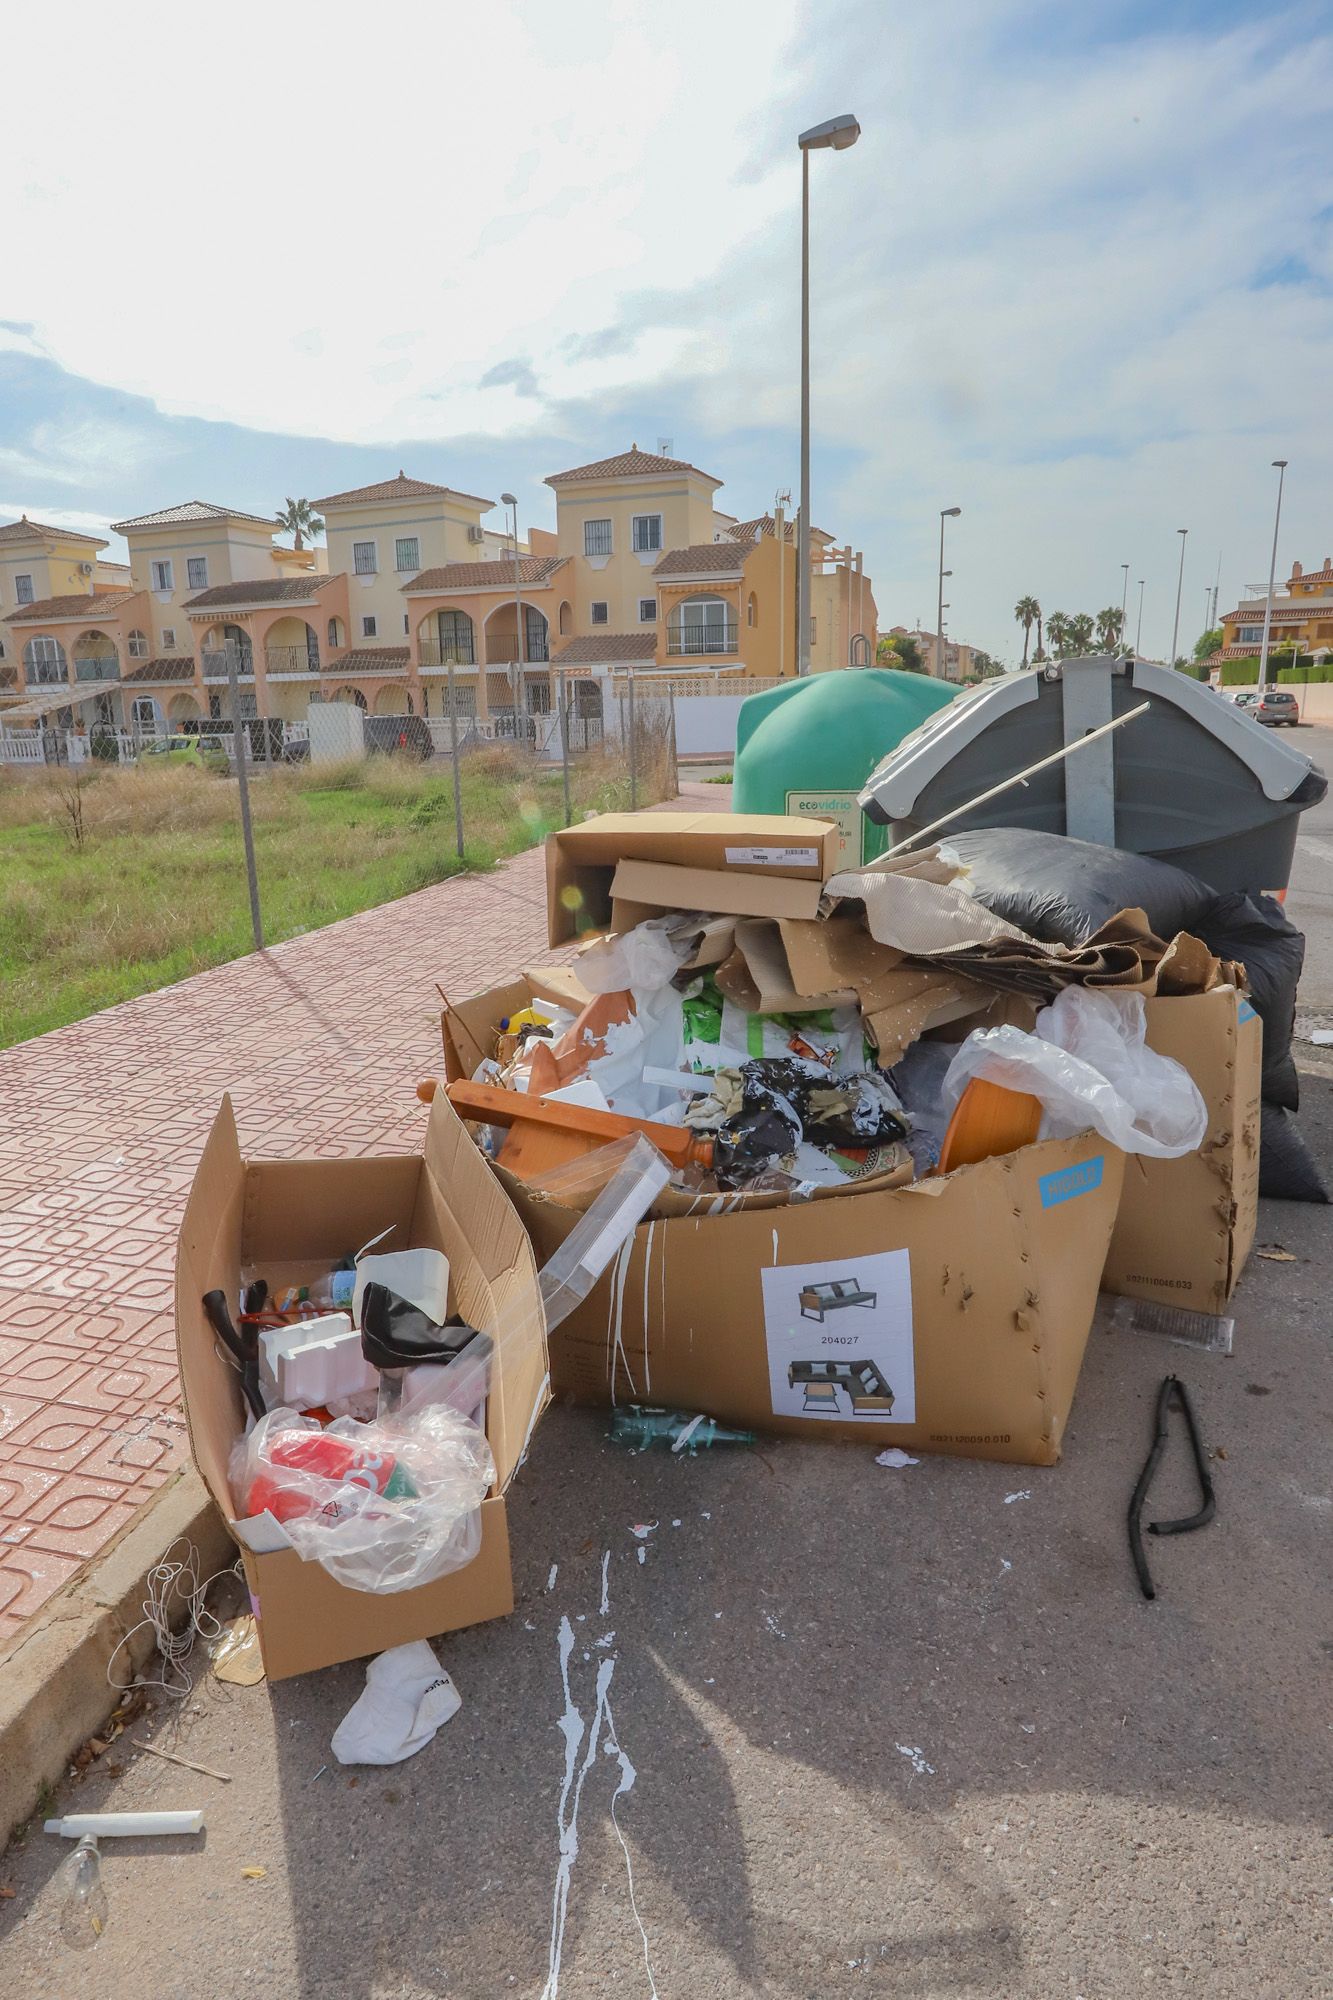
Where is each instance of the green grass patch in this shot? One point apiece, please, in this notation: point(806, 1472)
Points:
point(154, 888)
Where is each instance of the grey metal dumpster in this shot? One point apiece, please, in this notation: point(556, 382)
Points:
point(1194, 781)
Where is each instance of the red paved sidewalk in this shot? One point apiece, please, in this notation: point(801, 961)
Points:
point(320, 1041)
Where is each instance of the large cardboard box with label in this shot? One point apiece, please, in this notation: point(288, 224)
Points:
point(290, 1217)
point(950, 1316)
point(614, 870)
point(1186, 1226)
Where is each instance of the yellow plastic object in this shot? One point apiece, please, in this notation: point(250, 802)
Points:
point(988, 1120)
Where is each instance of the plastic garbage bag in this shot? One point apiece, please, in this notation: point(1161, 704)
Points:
point(407, 1697)
point(384, 1506)
point(643, 960)
point(1089, 1064)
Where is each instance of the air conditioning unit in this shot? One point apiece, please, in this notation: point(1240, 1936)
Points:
point(476, 534)
point(85, 569)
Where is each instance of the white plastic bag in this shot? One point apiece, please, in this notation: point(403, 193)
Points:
point(1089, 1064)
point(407, 1697)
point(641, 961)
point(384, 1506)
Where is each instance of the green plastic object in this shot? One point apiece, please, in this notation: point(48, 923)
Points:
point(808, 746)
point(642, 1428)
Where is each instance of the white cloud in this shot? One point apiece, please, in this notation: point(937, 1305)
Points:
point(1032, 278)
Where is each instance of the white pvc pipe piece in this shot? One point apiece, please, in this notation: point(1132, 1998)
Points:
point(108, 1825)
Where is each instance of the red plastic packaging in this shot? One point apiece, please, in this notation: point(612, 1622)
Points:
point(327, 1457)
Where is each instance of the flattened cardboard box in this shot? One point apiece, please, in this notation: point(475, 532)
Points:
point(293, 1211)
point(745, 864)
point(1186, 1226)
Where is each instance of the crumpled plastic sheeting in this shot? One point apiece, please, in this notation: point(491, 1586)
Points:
point(1089, 1064)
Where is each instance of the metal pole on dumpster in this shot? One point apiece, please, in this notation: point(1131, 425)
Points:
point(1281, 466)
point(633, 751)
point(564, 742)
point(453, 752)
point(243, 785)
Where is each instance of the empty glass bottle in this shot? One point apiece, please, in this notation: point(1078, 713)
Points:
point(83, 1910)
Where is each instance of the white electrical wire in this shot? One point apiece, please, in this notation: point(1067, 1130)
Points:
point(173, 1578)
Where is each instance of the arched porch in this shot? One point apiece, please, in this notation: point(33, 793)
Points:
point(291, 646)
point(96, 657)
point(502, 636)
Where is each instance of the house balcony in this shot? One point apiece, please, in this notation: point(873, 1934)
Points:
point(291, 660)
point(103, 667)
point(682, 640)
point(458, 653)
point(215, 665)
point(46, 673)
point(501, 650)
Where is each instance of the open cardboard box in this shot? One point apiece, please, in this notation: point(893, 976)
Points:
point(289, 1214)
point(1186, 1226)
point(736, 864)
point(951, 1315)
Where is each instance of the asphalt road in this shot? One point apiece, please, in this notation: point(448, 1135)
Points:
point(905, 1732)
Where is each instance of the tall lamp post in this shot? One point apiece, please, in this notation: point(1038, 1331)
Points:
point(1124, 603)
point(1280, 467)
point(946, 514)
point(1180, 579)
point(510, 500)
point(837, 133)
point(1138, 630)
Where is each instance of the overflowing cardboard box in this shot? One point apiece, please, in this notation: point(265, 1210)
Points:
point(1186, 1226)
point(292, 1217)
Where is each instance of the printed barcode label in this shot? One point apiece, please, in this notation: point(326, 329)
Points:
point(773, 857)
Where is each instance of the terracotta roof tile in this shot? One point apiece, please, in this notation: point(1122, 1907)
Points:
point(168, 668)
point(189, 513)
point(631, 464)
point(596, 648)
point(24, 530)
point(262, 590)
point(703, 559)
point(368, 660)
point(401, 488)
point(536, 571)
point(55, 610)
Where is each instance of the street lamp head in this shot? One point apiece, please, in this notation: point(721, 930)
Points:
point(839, 133)
point(1280, 462)
point(951, 512)
point(508, 500)
point(1182, 531)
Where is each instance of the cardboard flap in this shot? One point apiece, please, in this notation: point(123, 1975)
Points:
point(663, 886)
point(496, 1286)
point(208, 1256)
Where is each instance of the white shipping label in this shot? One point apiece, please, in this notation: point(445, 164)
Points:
point(840, 1339)
point(773, 857)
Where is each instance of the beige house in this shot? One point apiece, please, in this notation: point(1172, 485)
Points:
point(37, 563)
point(382, 537)
point(616, 519)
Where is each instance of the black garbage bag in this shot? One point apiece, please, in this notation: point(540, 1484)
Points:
point(1062, 890)
point(1287, 1171)
point(397, 1334)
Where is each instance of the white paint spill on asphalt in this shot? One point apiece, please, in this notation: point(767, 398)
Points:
point(551, 1576)
point(647, 1274)
point(605, 1604)
point(774, 1626)
point(643, 1555)
point(916, 1758)
point(628, 1774)
point(1010, 1498)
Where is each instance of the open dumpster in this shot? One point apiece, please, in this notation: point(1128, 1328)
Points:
point(1194, 781)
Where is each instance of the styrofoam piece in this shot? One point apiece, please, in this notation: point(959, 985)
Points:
point(277, 1341)
point(419, 1276)
point(584, 1090)
point(125, 1825)
point(325, 1369)
point(263, 1534)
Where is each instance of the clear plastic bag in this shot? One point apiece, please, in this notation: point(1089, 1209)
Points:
point(1089, 1064)
point(574, 1268)
point(383, 1507)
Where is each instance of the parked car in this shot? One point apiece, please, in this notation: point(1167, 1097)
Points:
point(399, 736)
point(1274, 707)
point(209, 752)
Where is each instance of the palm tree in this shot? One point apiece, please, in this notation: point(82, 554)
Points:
point(1058, 632)
point(1109, 625)
point(1027, 613)
point(1039, 655)
point(1081, 629)
point(298, 518)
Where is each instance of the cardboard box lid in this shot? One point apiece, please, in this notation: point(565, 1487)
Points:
point(448, 1192)
point(771, 847)
point(662, 886)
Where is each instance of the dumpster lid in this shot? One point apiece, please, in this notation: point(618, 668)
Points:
point(899, 780)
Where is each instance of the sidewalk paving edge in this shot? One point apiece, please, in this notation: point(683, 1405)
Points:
point(54, 1692)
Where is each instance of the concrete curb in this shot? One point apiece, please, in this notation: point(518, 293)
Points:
point(53, 1686)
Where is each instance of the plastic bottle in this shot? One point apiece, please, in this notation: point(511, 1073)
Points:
point(83, 1912)
point(677, 1429)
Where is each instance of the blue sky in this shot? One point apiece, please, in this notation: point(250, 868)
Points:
point(1077, 277)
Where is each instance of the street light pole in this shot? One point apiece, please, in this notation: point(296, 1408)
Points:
point(1124, 602)
point(509, 500)
point(946, 514)
point(1280, 465)
point(838, 133)
point(1138, 630)
point(1180, 579)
